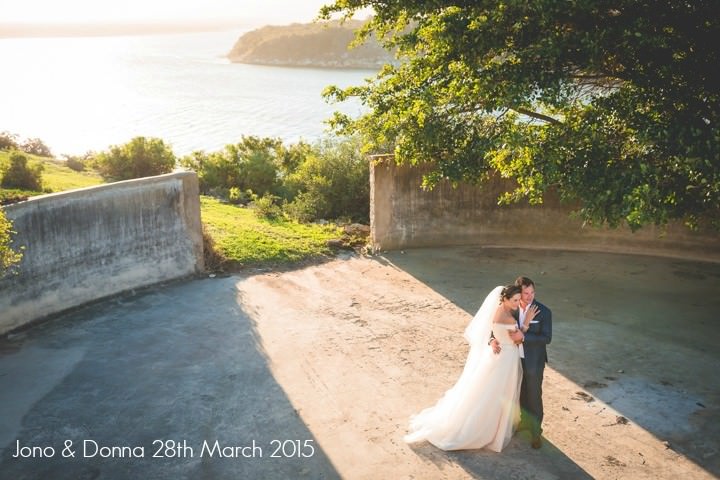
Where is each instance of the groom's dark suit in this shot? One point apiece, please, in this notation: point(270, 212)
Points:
point(536, 338)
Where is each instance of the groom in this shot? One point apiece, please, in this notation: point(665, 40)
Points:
point(532, 338)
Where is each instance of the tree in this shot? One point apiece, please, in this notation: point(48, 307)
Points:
point(614, 105)
point(35, 146)
point(8, 141)
point(20, 175)
point(258, 161)
point(140, 157)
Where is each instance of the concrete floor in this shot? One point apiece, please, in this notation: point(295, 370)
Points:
point(165, 370)
point(177, 363)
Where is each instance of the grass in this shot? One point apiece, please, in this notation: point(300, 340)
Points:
point(238, 237)
point(244, 239)
point(56, 176)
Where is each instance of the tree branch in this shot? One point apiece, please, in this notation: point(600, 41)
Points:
point(538, 116)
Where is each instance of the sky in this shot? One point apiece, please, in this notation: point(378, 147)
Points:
point(60, 12)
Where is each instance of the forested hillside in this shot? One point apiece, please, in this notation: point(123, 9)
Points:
point(315, 44)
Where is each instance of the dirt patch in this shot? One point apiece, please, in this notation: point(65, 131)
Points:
point(360, 343)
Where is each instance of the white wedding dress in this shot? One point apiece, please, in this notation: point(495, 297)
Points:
point(482, 409)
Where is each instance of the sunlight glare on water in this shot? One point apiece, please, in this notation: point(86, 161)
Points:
point(86, 93)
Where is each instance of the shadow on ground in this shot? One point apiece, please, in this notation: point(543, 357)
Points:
point(483, 464)
point(177, 364)
point(636, 332)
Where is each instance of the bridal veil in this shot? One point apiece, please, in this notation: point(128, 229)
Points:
point(482, 407)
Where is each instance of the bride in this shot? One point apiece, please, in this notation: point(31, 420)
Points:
point(482, 409)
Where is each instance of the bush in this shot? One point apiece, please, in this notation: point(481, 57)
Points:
point(75, 163)
point(238, 197)
point(251, 164)
point(10, 196)
point(79, 163)
point(8, 257)
point(267, 207)
point(305, 207)
point(213, 175)
point(140, 157)
point(20, 175)
point(332, 182)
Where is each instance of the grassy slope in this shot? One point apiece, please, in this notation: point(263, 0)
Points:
point(243, 238)
point(237, 233)
point(56, 177)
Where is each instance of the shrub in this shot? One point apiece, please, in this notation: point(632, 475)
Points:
point(10, 196)
point(331, 182)
point(251, 164)
point(239, 197)
point(20, 175)
point(79, 163)
point(8, 257)
point(267, 207)
point(306, 207)
point(75, 163)
point(213, 175)
point(140, 157)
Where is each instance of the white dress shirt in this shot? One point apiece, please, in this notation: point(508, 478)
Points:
point(521, 322)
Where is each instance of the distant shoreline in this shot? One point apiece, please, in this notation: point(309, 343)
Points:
point(315, 66)
point(20, 30)
point(310, 45)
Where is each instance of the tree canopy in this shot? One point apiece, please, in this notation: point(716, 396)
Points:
point(614, 105)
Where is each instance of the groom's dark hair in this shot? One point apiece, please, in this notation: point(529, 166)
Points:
point(524, 282)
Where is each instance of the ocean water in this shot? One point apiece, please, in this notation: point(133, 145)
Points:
point(87, 93)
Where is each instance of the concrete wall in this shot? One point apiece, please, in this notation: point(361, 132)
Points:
point(403, 215)
point(94, 242)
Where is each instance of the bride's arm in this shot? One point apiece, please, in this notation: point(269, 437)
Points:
point(493, 342)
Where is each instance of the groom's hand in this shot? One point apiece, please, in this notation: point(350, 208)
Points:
point(517, 337)
point(495, 345)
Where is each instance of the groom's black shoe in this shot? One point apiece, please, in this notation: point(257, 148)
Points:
point(536, 442)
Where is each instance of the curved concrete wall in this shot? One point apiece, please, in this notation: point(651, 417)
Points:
point(86, 244)
point(403, 215)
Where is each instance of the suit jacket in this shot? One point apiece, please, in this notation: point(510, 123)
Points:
point(537, 337)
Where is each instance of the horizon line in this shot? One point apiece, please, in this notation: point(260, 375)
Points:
point(104, 29)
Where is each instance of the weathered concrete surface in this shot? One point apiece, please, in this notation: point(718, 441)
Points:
point(179, 363)
point(341, 354)
point(94, 242)
point(403, 215)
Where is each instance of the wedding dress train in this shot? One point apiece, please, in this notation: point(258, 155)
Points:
point(482, 409)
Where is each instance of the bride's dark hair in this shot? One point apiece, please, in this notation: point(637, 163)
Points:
point(509, 291)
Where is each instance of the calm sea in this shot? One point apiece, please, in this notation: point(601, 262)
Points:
point(86, 93)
